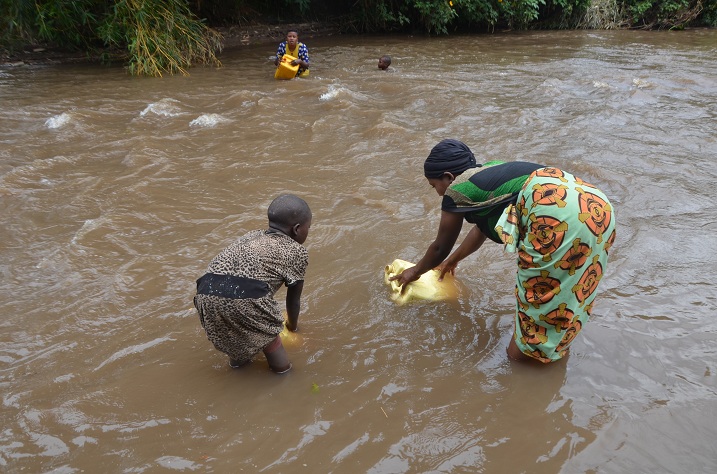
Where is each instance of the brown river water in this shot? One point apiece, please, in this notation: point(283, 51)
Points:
point(117, 191)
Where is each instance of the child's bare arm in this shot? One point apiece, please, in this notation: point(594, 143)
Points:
point(293, 305)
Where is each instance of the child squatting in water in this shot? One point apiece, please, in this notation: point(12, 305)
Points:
point(235, 297)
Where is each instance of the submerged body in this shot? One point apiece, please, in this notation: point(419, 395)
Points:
point(299, 53)
point(561, 227)
point(242, 325)
point(235, 297)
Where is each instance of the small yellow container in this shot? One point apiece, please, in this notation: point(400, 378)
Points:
point(290, 339)
point(285, 69)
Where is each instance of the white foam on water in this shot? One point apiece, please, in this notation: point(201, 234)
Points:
point(88, 226)
point(177, 463)
point(136, 349)
point(640, 83)
point(82, 440)
point(58, 120)
point(208, 120)
point(164, 107)
point(332, 93)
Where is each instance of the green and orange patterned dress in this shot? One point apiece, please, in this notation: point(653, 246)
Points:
point(562, 229)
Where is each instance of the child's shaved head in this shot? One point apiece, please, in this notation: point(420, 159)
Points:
point(288, 210)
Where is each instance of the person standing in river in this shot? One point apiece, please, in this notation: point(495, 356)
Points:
point(235, 297)
point(294, 48)
point(560, 227)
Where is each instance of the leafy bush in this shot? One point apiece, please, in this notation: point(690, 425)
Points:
point(709, 14)
point(68, 23)
point(153, 36)
point(157, 36)
point(662, 14)
point(442, 16)
point(605, 15)
point(160, 35)
point(65, 23)
point(520, 13)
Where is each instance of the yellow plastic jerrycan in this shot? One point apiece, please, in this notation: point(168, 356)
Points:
point(290, 339)
point(285, 70)
point(425, 288)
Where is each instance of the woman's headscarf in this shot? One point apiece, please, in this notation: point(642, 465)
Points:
point(451, 156)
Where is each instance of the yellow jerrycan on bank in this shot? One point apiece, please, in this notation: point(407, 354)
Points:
point(425, 288)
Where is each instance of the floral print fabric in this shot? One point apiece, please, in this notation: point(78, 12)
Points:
point(562, 229)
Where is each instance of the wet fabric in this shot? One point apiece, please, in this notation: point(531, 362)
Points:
point(562, 229)
point(241, 327)
point(483, 193)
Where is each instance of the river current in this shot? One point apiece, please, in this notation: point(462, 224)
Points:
point(116, 192)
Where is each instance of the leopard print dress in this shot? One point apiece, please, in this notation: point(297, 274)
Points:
point(241, 327)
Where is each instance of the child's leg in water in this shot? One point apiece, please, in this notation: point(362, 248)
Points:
point(276, 356)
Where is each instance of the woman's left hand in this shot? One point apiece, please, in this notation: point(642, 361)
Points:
point(446, 267)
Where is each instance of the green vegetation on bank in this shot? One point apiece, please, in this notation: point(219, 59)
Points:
point(157, 36)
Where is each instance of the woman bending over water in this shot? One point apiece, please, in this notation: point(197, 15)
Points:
point(560, 227)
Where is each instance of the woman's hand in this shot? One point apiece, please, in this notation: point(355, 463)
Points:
point(406, 277)
point(446, 267)
point(470, 244)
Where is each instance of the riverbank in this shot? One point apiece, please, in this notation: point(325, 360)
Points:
point(232, 37)
point(236, 36)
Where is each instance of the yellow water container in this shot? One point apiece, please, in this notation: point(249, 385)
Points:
point(425, 288)
point(290, 339)
point(285, 69)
